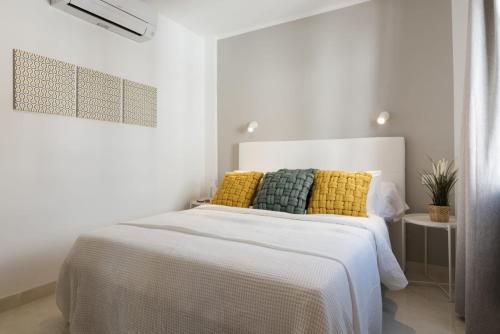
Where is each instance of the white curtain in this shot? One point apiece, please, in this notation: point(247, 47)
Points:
point(478, 242)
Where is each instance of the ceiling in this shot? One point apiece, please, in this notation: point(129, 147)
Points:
point(225, 18)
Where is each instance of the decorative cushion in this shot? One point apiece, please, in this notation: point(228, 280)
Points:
point(285, 190)
point(341, 193)
point(237, 189)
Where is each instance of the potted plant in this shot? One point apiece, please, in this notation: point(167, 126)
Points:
point(439, 183)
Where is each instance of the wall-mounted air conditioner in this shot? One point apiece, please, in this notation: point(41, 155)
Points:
point(133, 19)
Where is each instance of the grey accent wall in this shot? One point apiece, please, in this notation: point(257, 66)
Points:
point(328, 76)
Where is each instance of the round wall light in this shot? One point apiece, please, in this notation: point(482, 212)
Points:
point(383, 117)
point(252, 126)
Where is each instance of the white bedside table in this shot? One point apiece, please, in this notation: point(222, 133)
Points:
point(423, 219)
point(197, 202)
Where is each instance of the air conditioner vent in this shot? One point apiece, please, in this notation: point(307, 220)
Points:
point(130, 18)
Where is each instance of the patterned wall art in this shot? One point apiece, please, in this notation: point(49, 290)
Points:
point(43, 84)
point(139, 104)
point(51, 86)
point(99, 96)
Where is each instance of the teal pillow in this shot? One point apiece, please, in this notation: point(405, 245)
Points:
point(286, 190)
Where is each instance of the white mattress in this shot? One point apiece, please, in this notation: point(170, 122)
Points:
point(217, 269)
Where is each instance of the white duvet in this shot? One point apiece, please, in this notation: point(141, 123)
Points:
point(218, 269)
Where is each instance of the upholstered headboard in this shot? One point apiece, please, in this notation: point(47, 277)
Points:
point(386, 154)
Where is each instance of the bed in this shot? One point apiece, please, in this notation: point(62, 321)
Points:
point(217, 269)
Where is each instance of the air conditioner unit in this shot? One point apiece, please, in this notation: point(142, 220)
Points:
point(133, 19)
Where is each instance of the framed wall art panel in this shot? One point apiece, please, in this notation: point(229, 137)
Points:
point(43, 84)
point(139, 104)
point(99, 96)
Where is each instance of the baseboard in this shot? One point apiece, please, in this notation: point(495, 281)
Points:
point(25, 297)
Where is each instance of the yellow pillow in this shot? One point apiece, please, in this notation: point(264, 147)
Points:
point(341, 193)
point(237, 189)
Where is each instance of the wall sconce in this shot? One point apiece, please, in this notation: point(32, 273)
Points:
point(252, 126)
point(383, 117)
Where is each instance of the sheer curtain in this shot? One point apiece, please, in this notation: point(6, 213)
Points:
point(478, 244)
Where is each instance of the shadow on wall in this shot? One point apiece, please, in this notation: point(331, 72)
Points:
point(236, 153)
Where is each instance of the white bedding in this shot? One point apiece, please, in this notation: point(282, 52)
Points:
point(218, 269)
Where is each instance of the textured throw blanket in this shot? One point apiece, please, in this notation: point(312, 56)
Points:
point(225, 270)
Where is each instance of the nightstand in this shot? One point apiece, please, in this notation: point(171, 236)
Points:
point(423, 219)
point(197, 202)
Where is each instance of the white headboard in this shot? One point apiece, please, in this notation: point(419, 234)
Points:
point(386, 154)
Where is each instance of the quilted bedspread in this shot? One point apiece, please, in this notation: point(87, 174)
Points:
point(222, 270)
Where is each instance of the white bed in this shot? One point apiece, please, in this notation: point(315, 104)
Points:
point(217, 269)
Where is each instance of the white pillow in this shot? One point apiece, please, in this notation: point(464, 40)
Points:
point(391, 205)
point(373, 191)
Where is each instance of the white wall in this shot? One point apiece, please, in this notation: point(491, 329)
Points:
point(62, 176)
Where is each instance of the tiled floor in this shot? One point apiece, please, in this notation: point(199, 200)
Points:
point(420, 309)
point(417, 309)
point(39, 317)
